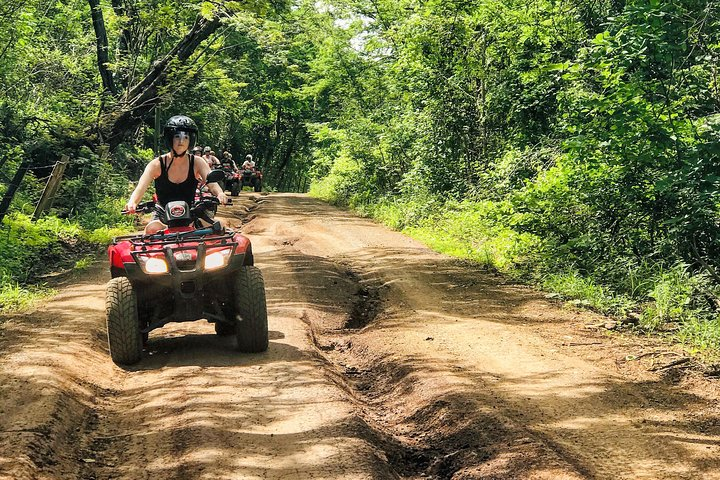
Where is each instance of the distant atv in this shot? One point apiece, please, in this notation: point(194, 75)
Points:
point(251, 177)
point(232, 181)
point(182, 274)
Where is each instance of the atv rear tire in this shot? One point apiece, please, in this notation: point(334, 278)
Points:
point(123, 327)
point(235, 189)
point(249, 298)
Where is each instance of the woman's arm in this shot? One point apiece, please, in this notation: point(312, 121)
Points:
point(152, 171)
point(201, 172)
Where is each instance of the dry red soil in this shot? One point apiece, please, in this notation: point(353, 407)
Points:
point(386, 360)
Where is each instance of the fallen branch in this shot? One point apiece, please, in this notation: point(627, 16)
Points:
point(142, 98)
point(654, 354)
point(676, 363)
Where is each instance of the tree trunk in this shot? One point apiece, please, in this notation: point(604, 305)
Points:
point(103, 60)
point(124, 40)
point(280, 173)
point(268, 148)
point(141, 99)
point(13, 187)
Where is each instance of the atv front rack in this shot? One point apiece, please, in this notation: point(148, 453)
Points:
point(159, 240)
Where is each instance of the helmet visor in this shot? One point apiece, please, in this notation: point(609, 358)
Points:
point(181, 135)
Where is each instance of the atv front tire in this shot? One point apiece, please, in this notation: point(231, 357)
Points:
point(123, 326)
point(258, 186)
point(249, 301)
point(235, 189)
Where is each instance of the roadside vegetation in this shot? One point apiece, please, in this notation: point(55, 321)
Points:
point(33, 249)
point(574, 145)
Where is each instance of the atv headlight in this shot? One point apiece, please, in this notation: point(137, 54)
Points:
point(218, 259)
point(152, 265)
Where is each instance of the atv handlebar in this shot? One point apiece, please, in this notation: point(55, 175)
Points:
point(144, 207)
point(150, 207)
point(215, 229)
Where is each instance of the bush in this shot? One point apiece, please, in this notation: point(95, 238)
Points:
point(30, 248)
point(344, 184)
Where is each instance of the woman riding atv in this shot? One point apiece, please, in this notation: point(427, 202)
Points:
point(176, 174)
point(227, 162)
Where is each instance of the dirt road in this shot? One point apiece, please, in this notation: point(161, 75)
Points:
point(386, 360)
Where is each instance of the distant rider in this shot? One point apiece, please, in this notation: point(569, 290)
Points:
point(228, 162)
point(210, 158)
point(248, 164)
point(176, 174)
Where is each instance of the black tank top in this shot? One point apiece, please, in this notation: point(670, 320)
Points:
point(168, 191)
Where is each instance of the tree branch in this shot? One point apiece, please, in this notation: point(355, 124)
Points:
point(103, 59)
point(141, 99)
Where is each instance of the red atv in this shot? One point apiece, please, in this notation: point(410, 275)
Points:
point(251, 177)
point(232, 181)
point(182, 274)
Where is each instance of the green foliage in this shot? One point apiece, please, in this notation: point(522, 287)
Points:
point(701, 334)
point(16, 298)
point(104, 235)
point(84, 263)
point(30, 248)
point(24, 243)
point(583, 291)
point(344, 179)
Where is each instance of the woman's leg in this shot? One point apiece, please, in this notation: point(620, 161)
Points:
point(154, 226)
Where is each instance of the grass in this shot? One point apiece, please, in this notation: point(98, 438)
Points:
point(84, 263)
point(584, 292)
point(15, 298)
point(31, 249)
point(702, 336)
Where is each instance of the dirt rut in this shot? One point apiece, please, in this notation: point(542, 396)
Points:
point(386, 360)
point(466, 376)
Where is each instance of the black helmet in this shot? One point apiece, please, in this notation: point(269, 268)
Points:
point(180, 123)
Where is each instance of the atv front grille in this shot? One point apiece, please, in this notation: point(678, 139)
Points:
point(186, 265)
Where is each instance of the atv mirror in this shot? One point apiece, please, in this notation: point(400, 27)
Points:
point(215, 176)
